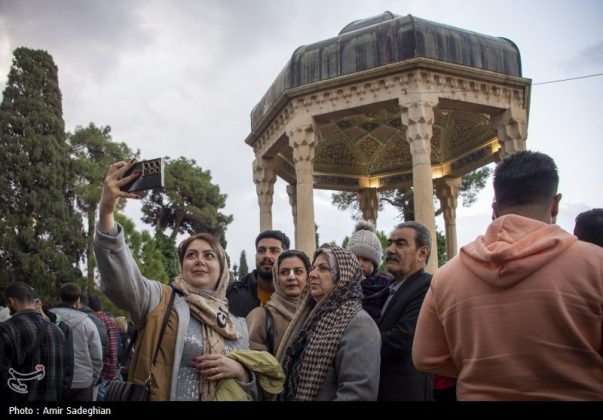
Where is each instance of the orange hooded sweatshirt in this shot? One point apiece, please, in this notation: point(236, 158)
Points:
point(517, 315)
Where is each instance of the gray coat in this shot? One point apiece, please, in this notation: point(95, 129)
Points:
point(87, 350)
point(354, 374)
point(122, 282)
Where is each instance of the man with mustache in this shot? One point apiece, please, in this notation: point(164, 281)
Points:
point(409, 246)
point(256, 288)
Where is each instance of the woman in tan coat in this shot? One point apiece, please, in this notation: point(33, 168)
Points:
point(267, 324)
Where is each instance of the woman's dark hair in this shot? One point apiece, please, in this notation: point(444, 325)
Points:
point(294, 253)
point(213, 243)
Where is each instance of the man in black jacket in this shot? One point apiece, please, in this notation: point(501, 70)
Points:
point(409, 246)
point(256, 288)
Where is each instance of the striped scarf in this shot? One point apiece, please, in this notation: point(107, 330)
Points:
point(312, 339)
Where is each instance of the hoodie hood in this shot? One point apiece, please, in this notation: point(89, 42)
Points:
point(72, 317)
point(513, 248)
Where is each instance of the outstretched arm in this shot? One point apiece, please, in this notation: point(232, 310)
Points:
point(112, 192)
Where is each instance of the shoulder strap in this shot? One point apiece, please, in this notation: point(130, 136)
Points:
point(269, 330)
point(164, 324)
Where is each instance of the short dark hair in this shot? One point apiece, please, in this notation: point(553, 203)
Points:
point(275, 234)
point(294, 253)
point(69, 293)
point(19, 290)
point(589, 226)
point(422, 237)
point(525, 177)
point(94, 303)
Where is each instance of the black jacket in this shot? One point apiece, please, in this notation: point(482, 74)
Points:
point(242, 295)
point(400, 381)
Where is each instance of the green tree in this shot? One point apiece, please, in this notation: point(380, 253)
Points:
point(234, 274)
point(243, 267)
point(93, 151)
point(41, 235)
point(156, 256)
point(190, 202)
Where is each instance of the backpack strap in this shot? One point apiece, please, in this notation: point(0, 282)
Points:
point(269, 330)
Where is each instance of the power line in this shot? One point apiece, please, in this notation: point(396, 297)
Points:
point(567, 80)
point(533, 84)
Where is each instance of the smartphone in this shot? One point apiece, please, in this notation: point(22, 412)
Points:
point(151, 176)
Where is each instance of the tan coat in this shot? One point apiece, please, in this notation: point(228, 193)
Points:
point(256, 324)
point(146, 343)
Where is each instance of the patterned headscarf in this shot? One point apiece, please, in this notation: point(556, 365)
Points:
point(312, 339)
point(211, 310)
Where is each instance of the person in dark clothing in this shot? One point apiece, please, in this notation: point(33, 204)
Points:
point(58, 321)
point(589, 226)
point(110, 370)
point(32, 351)
point(84, 306)
point(409, 246)
point(366, 246)
point(256, 288)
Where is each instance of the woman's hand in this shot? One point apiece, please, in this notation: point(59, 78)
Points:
point(217, 366)
point(111, 192)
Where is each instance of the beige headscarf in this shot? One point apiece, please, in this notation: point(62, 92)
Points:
point(211, 310)
point(279, 301)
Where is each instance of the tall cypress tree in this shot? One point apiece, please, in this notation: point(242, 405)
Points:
point(41, 235)
point(243, 267)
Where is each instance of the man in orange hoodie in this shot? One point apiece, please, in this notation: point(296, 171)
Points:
point(518, 314)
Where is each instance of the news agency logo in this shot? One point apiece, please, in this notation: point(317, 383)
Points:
point(18, 381)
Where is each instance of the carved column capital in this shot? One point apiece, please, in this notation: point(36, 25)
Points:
point(512, 129)
point(447, 191)
point(368, 202)
point(418, 117)
point(264, 177)
point(302, 139)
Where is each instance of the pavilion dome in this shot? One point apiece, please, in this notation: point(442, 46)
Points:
point(385, 39)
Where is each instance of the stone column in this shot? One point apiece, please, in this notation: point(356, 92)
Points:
point(447, 190)
point(369, 204)
point(302, 139)
point(264, 177)
point(292, 192)
point(417, 116)
point(512, 129)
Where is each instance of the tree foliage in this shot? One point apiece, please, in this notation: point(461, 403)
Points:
point(243, 267)
point(156, 256)
point(93, 152)
point(41, 235)
point(189, 204)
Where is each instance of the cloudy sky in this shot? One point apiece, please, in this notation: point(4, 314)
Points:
point(179, 78)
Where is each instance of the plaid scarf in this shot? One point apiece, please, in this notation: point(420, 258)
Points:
point(211, 310)
point(312, 339)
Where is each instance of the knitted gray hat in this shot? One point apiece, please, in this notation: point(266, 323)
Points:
point(365, 243)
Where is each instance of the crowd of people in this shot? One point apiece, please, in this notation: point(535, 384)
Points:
point(517, 315)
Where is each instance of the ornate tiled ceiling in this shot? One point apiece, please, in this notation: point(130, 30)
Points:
point(369, 144)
